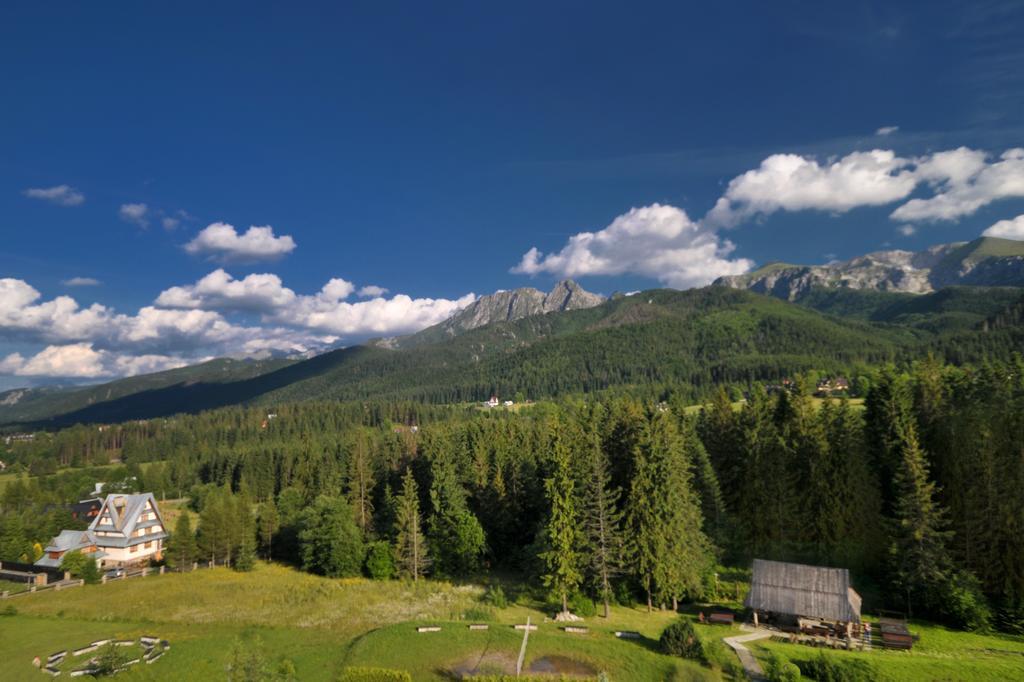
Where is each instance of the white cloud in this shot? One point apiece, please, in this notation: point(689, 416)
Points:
point(134, 214)
point(82, 361)
point(656, 241)
point(790, 182)
point(964, 181)
point(221, 241)
point(81, 282)
point(323, 312)
point(372, 291)
point(886, 130)
point(62, 195)
point(1007, 229)
point(169, 223)
point(219, 290)
point(907, 230)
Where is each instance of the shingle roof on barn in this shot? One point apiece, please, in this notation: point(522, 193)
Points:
point(801, 590)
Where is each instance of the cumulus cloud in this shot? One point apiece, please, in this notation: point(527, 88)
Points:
point(81, 282)
point(326, 311)
point(885, 131)
point(963, 181)
point(82, 361)
point(62, 195)
point(656, 241)
point(219, 290)
point(134, 214)
point(372, 291)
point(790, 182)
point(907, 230)
point(220, 241)
point(1007, 229)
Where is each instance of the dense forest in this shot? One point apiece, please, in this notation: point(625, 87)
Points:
point(691, 341)
point(613, 498)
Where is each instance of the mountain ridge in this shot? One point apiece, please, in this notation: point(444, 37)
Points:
point(986, 261)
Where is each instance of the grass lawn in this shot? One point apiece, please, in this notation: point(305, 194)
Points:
point(321, 625)
point(940, 654)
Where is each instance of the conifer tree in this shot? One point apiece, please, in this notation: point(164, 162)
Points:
point(269, 523)
point(181, 547)
point(410, 543)
point(644, 542)
point(361, 482)
point(919, 557)
point(564, 539)
point(602, 521)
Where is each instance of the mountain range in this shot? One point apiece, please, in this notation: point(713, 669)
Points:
point(844, 317)
point(986, 261)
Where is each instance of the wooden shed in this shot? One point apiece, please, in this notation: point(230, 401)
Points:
point(795, 591)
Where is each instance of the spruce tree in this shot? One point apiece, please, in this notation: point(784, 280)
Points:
point(564, 539)
point(410, 543)
point(181, 547)
point(361, 482)
point(644, 542)
point(269, 523)
point(920, 561)
point(602, 521)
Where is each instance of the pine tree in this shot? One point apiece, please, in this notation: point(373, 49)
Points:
point(562, 531)
point(361, 482)
point(410, 544)
point(685, 555)
point(181, 547)
point(644, 541)
point(602, 522)
point(919, 557)
point(269, 523)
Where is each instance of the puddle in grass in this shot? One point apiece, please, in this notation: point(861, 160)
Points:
point(561, 665)
point(505, 664)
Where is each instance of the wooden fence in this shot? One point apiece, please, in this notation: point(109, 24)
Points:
point(126, 574)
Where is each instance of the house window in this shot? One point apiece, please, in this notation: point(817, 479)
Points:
point(148, 544)
point(134, 549)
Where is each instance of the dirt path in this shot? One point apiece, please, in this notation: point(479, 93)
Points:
point(750, 663)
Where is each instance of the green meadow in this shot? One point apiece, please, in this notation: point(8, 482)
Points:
point(323, 626)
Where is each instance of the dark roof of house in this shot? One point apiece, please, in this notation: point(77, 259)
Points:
point(802, 590)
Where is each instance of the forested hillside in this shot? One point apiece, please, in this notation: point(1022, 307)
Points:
point(685, 341)
point(917, 493)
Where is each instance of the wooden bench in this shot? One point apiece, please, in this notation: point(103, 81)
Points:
point(428, 628)
point(576, 630)
point(479, 626)
point(721, 619)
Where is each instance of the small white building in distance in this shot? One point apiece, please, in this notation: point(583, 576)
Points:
point(127, 531)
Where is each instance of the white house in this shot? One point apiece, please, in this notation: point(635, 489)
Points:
point(128, 530)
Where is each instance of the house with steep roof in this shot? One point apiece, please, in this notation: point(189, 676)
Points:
point(127, 530)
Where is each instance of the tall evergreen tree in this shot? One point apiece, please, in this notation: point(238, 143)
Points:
point(602, 522)
point(181, 546)
point(564, 539)
point(361, 482)
point(410, 543)
point(269, 523)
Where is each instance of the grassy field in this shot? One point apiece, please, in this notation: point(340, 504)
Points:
point(940, 654)
point(323, 626)
point(855, 403)
point(320, 625)
point(6, 478)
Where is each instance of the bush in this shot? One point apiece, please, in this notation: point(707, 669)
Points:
point(623, 594)
point(109, 660)
point(496, 597)
point(374, 675)
point(478, 614)
point(831, 669)
point(380, 561)
point(681, 639)
point(9, 610)
point(964, 606)
point(582, 606)
point(778, 669)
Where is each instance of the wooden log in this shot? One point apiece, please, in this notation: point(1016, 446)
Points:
point(525, 626)
point(479, 626)
point(428, 628)
point(576, 630)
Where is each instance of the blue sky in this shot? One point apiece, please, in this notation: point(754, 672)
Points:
point(425, 148)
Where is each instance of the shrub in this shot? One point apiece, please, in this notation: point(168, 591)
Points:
point(582, 606)
point(623, 594)
point(496, 597)
point(109, 660)
point(380, 561)
point(778, 669)
point(374, 675)
point(478, 613)
point(681, 639)
point(964, 606)
point(831, 669)
point(9, 610)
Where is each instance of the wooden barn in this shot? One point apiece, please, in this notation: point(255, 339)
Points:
point(798, 595)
